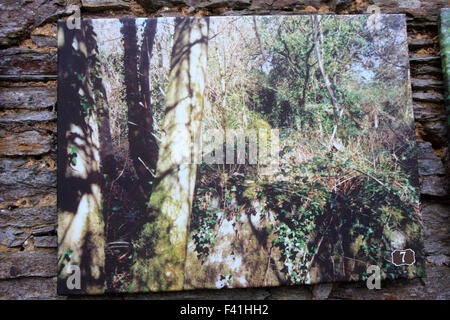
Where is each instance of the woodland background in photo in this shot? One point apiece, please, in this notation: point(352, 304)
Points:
point(132, 94)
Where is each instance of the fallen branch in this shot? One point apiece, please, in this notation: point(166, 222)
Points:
point(370, 176)
point(143, 163)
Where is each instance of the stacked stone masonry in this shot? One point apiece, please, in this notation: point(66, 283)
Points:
point(28, 140)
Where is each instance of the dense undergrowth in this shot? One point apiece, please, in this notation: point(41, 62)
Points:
point(334, 213)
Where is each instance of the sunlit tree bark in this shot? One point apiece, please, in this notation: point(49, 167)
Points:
point(108, 160)
point(161, 248)
point(81, 227)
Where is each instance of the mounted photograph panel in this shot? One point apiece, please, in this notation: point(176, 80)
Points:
point(228, 152)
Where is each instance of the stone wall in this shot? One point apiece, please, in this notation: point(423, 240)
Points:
point(28, 140)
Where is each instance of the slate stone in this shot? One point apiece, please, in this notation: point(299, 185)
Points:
point(41, 263)
point(22, 117)
point(9, 195)
point(99, 5)
point(422, 22)
point(29, 142)
point(13, 237)
point(44, 41)
point(436, 133)
point(13, 173)
point(339, 5)
point(27, 97)
point(42, 231)
point(444, 37)
point(428, 112)
point(30, 217)
point(17, 17)
point(426, 70)
point(414, 8)
point(29, 288)
point(46, 242)
point(20, 63)
point(434, 186)
point(439, 260)
point(436, 228)
point(431, 167)
point(426, 84)
point(28, 77)
point(414, 59)
point(153, 5)
point(420, 43)
point(433, 97)
point(425, 151)
point(212, 4)
point(429, 162)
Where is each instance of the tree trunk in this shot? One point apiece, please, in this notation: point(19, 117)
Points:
point(107, 152)
point(106, 144)
point(143, 146)
point(81, 227)
point(161, 248)
point(337, 110)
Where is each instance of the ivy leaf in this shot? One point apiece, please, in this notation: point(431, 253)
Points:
point(73, 149)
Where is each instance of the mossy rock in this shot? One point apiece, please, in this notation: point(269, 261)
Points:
point(250, 193)
point(260, 124)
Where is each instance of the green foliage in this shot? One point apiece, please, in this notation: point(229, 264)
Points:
point(321, 199)
point(204, 226)
point(73, 154)
point(315, 213)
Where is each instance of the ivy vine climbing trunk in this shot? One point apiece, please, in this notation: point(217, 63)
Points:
point(318, 44)
point(142, 143)
point(161, 248)
point(80, 219)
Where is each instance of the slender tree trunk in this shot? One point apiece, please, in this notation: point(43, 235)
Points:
point(107, 153)
point(143, 146)
point(337, 110)
point(307, 73)
point(147, 150)
point(258, 37)
point(161, 249)
point(80, 220)
point(106, 144)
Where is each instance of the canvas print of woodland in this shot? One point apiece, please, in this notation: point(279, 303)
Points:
point(444, 37)
point(229, 152)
